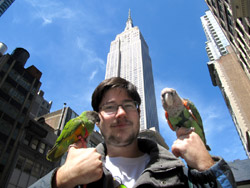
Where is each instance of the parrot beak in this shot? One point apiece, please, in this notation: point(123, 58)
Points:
point(97, 118)
point(168, 98)
point(93, 116)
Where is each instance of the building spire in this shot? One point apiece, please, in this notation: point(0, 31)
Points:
point(129, 14)
point(129, 23)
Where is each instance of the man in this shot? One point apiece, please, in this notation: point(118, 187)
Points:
point(126, 161)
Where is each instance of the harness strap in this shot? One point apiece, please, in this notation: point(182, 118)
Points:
point(169, 123)
point(185, 103)
point(86, 133)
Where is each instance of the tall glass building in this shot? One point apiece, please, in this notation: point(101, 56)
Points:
point(234, 17)
point(4, 5)
point(216, 40)
point(228, 74)
point(129, 58)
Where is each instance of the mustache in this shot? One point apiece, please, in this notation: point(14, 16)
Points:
point(121, 121)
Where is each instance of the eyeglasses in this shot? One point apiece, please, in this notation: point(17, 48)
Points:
point(111, 108)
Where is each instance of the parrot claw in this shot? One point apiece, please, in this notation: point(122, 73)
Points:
point(84, 142)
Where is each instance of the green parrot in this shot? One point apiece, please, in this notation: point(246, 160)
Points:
point(181, 113)
point(75, 129)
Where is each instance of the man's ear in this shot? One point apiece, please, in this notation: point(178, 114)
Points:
point(139, 111)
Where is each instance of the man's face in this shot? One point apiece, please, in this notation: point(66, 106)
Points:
point(120, 128)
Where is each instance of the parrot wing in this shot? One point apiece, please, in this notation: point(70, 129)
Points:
point(66, 138)
point(69, 129)
point(195, 112)
point(199, 129)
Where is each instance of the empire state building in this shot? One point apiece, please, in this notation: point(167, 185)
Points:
point(129, 58)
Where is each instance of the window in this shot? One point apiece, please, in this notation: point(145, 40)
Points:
point(16, 95)
point(11, 111)
point(41, 148)
point(5, 127)
point(36, 170)
point(20, 162)
point(27, 139)
point(15, 103)
point(26, 173)
point(15, 133)
point(28, 166)
point(19, 79)
point(21, 118)
point(5, 67)
point(34, 143)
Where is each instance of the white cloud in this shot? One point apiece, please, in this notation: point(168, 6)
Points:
point(89, 54)
point(215, 119)
point(100, 61)
point(93, 75)
point(47, 21)
point(48, 10)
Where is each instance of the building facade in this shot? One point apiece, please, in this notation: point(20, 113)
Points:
point(59, 118)
point(18, 88)
point(129, 58)
point(30, 162)
point(4, 5)
point(25, 136)
point(40, 106)
point(227, 73)
point(216, 40)
point(233, 17)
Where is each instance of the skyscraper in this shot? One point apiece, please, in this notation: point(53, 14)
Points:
point(227, 73)
point(234, 17)
point(216, 40)
point(4, 5)
point(129, 58)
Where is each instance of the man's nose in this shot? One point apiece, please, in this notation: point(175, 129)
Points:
point(120, 111)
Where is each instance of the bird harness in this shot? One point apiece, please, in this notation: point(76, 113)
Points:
point(185, 103)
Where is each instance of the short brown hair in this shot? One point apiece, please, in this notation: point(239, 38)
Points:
point(114, 82)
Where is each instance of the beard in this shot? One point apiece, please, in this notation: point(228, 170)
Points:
point(122, 138)
point(116, 140)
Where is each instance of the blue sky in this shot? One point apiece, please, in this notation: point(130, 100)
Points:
point(68, 42)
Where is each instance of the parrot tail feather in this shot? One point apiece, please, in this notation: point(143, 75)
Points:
point(55, 154)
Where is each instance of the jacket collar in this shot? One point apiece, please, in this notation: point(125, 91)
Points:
point(160, 158)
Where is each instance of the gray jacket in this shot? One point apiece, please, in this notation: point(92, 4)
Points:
point(163, 170)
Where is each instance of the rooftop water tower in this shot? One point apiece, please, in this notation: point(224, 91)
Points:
point(3, 48)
